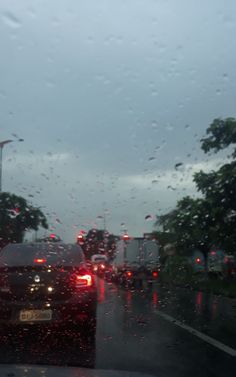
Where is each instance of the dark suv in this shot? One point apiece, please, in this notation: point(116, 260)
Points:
point(46, 283)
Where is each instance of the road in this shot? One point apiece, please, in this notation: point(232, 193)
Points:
point(163, 332)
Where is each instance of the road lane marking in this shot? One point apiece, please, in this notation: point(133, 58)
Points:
point(223, 347)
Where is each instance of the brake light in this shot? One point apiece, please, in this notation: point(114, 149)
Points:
point(102, 266)
point(83, 280)
point(40, 260)
point(198, 260)
point(129, 274)
point(155, 274)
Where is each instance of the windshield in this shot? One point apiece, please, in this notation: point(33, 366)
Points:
point(118, 153)
point(15, 255)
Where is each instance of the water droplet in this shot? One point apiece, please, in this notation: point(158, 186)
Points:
point(171, 188)
point(31, 12)
point(50, 83)
point(148, 217)
point(151, 158)
point(178, 165)
point(11, 20)
point(225, 77)
point(169, 127)
point(154, 125)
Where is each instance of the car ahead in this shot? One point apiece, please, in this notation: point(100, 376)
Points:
point(99, 264)
point(136, 262)
point(46, 284)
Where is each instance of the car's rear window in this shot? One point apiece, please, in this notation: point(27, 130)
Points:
point(32, 254)
point(99, 259)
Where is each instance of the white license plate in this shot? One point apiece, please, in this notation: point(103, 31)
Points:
point(35, 315)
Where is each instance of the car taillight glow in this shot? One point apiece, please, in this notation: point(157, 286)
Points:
point(155, 274)
point(102, 266)
point(83, 280)
point(198, 260)
point(40, 260)
point(129, 274)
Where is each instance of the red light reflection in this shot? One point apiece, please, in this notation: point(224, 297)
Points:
point(40, 260)
point(214, 308)
point(101, 291)
point(129, 299)
point(198, 301)
point(154, 299)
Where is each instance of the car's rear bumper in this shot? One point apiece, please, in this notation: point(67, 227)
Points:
point(62, 312)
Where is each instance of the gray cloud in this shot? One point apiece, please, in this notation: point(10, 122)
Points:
point(108, 95)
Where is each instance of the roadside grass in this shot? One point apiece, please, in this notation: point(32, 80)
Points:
point(218, 287)
point(179, 273)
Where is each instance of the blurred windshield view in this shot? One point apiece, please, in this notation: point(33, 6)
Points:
point(118, 158)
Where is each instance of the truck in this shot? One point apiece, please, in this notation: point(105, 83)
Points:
point(99, 264)
point(136, 262)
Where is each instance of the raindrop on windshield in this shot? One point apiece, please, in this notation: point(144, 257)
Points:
point(154, 125)
point(11, 20)
point(178, 165)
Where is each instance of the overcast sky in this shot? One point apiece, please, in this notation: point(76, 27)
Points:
point(108, 96)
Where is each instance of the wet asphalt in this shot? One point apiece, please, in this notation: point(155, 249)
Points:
point(131, 335)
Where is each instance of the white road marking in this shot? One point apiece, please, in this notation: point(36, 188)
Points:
point(223, 347)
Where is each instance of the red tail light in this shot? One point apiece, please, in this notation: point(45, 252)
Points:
point(40, 260)
point(84, 280)
point(102, 266)
point(125, 237)
point(129, 274)
point(155, 274)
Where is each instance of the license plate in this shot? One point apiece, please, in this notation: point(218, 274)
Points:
point(35, 315)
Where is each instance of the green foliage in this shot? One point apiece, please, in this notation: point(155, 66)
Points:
point(177, 270)
point(199, 223)
point(191, 223)
point(222, 133)
point(17, 216)
point(219, 189)
point(99, 242)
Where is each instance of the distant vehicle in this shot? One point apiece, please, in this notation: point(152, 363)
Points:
point(229, 267)
point(136, 261)
point(51, 238)
point(219, 263)
point(46, 284)
point(216, 262)
point(99, 264)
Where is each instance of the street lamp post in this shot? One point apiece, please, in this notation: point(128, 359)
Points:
point(2, 143)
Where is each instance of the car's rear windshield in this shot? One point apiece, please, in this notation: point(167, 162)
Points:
point(14, 255)
point(99, 259)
